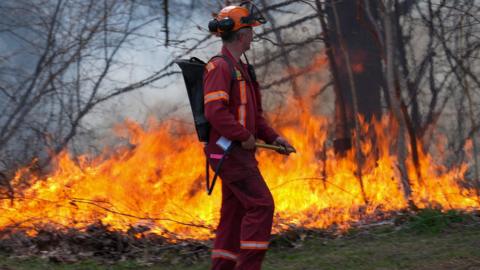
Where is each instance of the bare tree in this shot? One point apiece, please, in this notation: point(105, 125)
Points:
point(60, 65)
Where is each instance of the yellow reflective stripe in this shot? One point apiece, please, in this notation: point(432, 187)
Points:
point(224, 254)
point(242, 109)
point(216, 95)
point(242, 115)
point(238, 74)
point(243, 92)
point(253, 245)
point(210, 66)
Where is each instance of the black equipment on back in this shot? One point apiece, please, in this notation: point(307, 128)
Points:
point(192, 70)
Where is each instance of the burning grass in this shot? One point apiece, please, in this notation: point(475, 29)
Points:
point(156, 181)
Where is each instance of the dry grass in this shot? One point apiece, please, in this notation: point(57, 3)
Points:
point(456, 247)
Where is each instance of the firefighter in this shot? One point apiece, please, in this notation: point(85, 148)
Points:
point(233, 108)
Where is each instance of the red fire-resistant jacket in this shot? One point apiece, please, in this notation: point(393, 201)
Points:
point(233, 109)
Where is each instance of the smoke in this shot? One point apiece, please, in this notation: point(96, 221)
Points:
point(54, 70)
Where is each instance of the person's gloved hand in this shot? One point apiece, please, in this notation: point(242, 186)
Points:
point(249, 144)
point(287, 148)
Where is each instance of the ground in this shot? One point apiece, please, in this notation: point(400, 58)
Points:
point(456, 246)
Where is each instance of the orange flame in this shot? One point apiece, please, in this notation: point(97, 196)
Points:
point(157, 181)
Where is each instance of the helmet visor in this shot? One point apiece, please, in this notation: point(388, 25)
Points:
point(255, 17)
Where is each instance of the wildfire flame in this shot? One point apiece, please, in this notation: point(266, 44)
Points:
point(157, 181)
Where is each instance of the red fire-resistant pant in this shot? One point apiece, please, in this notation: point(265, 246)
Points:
point(246, 220)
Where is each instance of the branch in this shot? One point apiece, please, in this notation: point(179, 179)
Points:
point(165, 22)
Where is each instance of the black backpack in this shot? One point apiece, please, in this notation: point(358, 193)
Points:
point(192, 70)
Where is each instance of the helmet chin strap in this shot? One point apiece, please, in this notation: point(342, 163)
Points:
point(250, 69)
point(246, 59)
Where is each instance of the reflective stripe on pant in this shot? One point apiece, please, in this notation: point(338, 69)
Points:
point(245, 222)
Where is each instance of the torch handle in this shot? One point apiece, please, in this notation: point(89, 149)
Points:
point(274, 147)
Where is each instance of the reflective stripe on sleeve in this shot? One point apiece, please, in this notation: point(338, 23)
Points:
point(253, 245)
point(216, 95)
point(224, 254)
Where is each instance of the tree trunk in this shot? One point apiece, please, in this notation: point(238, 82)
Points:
point(394, 100)
point(365, 61)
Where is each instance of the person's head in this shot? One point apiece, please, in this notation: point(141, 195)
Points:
point(234, 25)
point(243, 37)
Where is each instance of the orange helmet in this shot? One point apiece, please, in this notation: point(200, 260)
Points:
point(233, 18)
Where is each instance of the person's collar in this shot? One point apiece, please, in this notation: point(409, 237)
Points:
point(239, 65)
